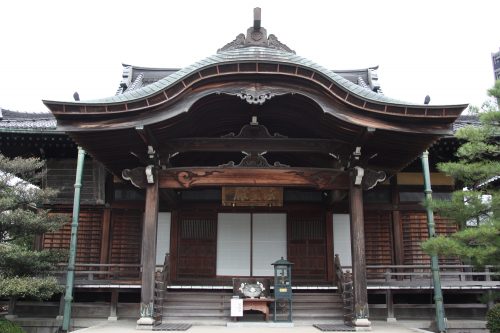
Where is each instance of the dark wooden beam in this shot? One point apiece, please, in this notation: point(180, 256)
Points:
point(325, 146)
point(147, 136)
point(149, 139)
point(182, 178)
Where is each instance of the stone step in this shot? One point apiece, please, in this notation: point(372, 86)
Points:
point(196, 313)
point(213, 307)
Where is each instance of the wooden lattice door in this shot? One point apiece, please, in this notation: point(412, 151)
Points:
point(307, 246)
point(197, 246)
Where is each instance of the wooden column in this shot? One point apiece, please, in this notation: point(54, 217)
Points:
point(148, 258)
point(329, 246)
point(106, 227)
point(358, 254)
point(397, 228)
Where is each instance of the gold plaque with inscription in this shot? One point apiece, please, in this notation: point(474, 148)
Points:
point(252, 196)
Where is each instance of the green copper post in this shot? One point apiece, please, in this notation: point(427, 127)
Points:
point(68, 296)
point(438, 294)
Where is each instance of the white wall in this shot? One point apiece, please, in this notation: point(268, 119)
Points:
point(269, 242)
point(342, 238)
point(162, 237)
point(233, 244)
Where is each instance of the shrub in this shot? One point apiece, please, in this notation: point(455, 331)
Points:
point(30, 287)
point(9, 327)
point(493, 319)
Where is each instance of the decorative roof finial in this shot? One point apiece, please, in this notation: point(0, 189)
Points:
point(256, 18)
point(256, 36)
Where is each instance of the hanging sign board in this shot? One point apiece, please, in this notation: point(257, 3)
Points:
point(252, 196)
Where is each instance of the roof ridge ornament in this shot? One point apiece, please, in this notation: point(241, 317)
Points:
point(256, 36)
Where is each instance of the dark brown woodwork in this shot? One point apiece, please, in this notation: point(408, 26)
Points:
point(307, 246)
point(147, 136)
point(378, 238)
point(60, 175)
point(415, 231)
point(126, 231)
point(397, 229)
point(358, 251)
point(174, 243)
point(89, 235)
point(106, 224)
point(251, 144)
point(148, 258)
point(196, 246)
point(304, 113)
point(329, 246)
point(181, 178)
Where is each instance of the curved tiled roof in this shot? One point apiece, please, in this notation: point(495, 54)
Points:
point(251, 53)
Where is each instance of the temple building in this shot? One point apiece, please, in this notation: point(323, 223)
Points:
point(215, 171)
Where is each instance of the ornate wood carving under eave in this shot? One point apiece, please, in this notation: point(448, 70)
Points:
point(254, 160)
point(255, 95)
point(254, 131)
point(136, 176)
point(371, 178)
point(183, 178)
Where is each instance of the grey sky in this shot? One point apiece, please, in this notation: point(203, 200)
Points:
point(49, 49)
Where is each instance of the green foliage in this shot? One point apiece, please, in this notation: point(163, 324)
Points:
point(493, 319)
point(9, 327)
point(465, 207)
point(476, 210)
point(32, 287)
point(18, 261)
point(479, 245)
point(24, 272)
point(495, 90)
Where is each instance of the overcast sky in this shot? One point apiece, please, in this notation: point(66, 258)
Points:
point(49, 49)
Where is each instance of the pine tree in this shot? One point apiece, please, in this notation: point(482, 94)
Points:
point(24, 272)
point(476, 209)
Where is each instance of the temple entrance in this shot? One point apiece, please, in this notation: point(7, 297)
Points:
point(214, 246)
point(248, 243)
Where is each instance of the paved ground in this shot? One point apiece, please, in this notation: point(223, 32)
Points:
point(128, 326)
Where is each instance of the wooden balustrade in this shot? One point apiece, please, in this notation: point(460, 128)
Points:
point(376, 274)
point(103, 272)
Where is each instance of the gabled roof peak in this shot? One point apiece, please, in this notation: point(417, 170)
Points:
point(256, 36)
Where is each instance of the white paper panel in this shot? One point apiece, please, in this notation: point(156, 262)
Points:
point(162, 237)
point(233, 244)
point(342, 238)
point(269, 242)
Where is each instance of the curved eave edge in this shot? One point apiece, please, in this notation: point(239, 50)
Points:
point(135, 101)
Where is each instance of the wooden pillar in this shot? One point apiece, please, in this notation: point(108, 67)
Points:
point(358, 254)
point(106, 226)
point(329, 246)
point(149, 254)
point(397, 228)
